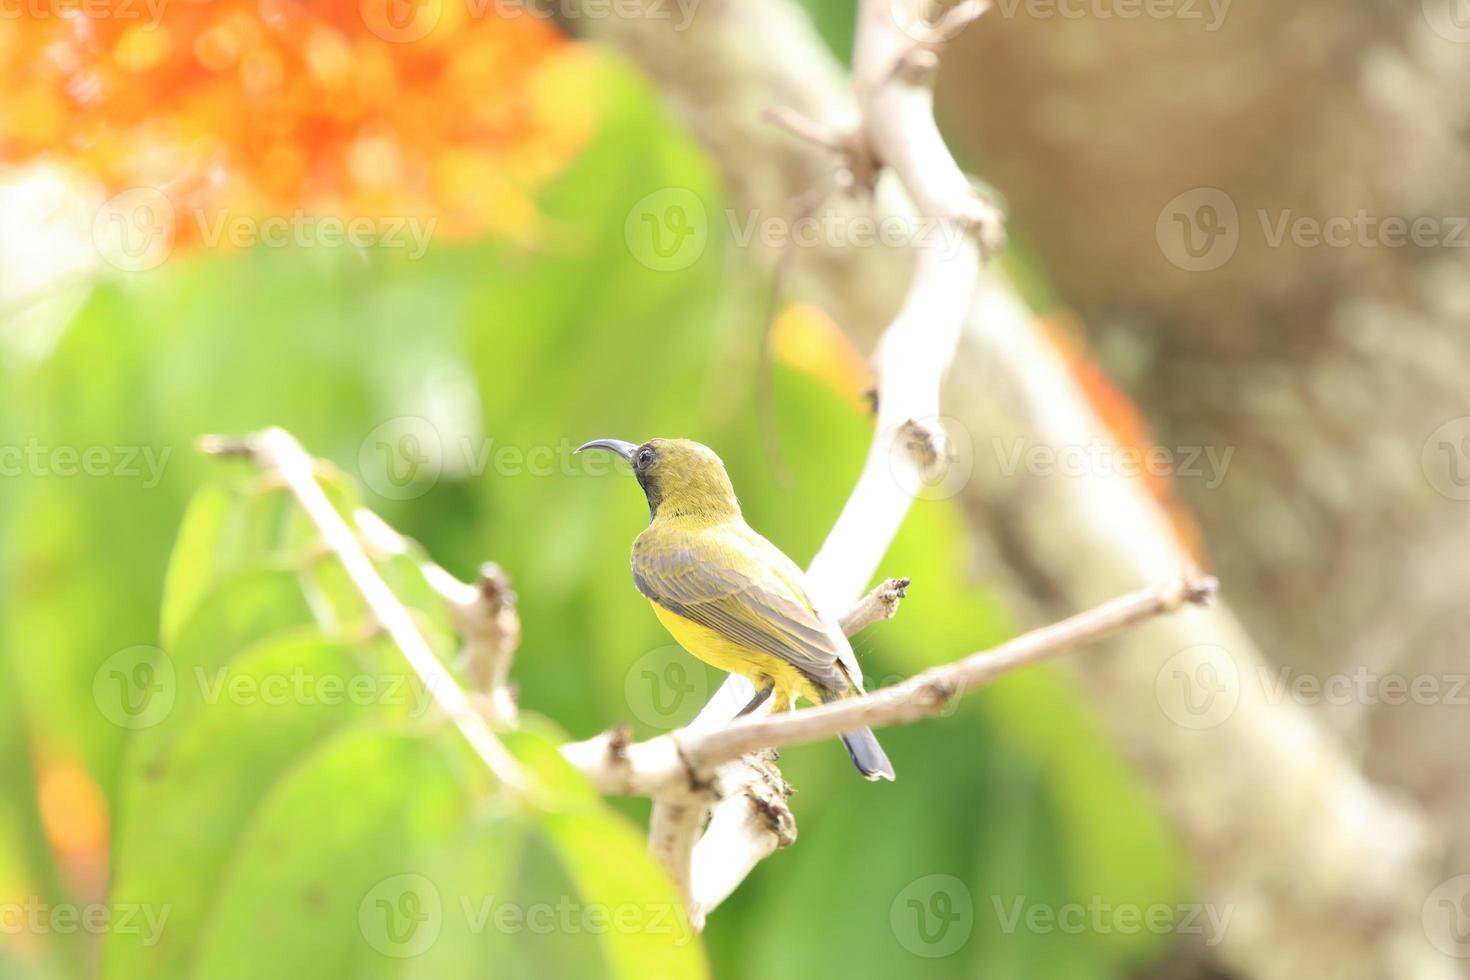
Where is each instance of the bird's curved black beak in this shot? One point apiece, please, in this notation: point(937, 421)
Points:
point(623, 449)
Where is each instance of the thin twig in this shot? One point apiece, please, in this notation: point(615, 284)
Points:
point(275, 450)
point(928, 693)
point(876, 606)
point(483, 611)
point(810, 130)
point(679, 765)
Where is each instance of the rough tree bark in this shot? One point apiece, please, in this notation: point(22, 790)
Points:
point(1334, 364)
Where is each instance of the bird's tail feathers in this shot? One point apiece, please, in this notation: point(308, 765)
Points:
point(863, 746)
point(867, 754)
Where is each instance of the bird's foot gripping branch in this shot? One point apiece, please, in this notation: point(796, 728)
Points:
point(722, 800)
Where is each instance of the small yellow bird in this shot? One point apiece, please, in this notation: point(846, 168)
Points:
point(728, 595)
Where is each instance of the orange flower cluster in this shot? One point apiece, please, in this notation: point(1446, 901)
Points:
point(432, 109)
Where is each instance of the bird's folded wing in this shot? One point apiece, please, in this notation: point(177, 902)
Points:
point(743, 601)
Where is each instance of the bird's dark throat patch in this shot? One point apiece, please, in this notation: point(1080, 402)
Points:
point(650, 491)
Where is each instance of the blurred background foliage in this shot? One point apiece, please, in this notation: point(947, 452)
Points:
point(263, 828)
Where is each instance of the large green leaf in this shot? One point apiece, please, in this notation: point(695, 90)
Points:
point(290, 786)
point(262, 713)
point(157, 704)
point(334, 838)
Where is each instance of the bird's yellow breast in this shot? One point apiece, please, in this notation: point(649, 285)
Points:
point(757, 666)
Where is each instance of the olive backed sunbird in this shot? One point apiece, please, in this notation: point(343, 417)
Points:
point(728, 595)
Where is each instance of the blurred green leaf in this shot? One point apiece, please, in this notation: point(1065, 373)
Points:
point(318, 884)
point(251, 606)
point(646, 926)
point(268, 708)
point(271, 755)
point(191, 570)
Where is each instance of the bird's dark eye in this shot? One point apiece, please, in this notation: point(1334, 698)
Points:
point(645, 456)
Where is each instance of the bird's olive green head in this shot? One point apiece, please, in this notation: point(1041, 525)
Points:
point(679, 477)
